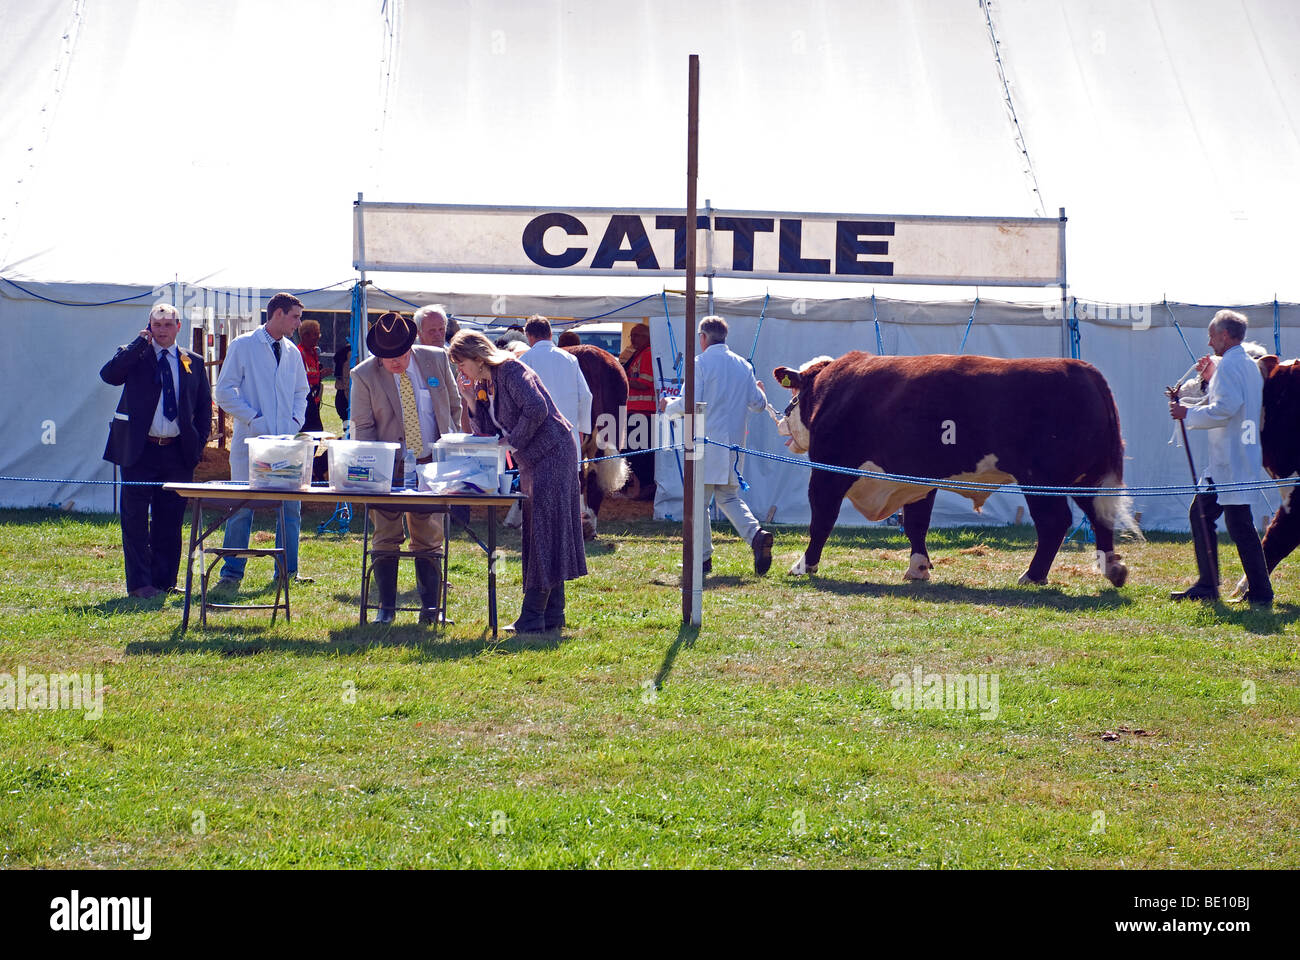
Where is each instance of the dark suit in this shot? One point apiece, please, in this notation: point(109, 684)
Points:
point(153, 554)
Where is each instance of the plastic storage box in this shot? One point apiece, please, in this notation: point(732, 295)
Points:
point(487, 450)
point(362, 466)
point(280, 463)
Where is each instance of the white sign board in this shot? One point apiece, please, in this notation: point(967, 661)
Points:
point(588, 241)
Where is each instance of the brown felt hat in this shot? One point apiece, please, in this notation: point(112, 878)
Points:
point(391, 336)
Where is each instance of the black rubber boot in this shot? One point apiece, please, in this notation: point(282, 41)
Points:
point(555, 608)
point(384, 577)
point(532, 618)
point(429, 577)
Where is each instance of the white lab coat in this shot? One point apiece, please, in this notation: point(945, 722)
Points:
point(562, 377)
point(725, 381)
point(262, 398)
point(1231, 414)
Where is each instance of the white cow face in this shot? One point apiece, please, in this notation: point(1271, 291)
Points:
point(792, 423)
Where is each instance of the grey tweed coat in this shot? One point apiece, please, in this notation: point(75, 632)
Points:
point(521, 410)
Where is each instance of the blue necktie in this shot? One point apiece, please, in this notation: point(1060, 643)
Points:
point(275, 345)
point(168, 388)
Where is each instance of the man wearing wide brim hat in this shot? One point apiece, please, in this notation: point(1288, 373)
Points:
point(405, 394)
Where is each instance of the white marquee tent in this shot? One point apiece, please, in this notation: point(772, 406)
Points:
point(152, 142)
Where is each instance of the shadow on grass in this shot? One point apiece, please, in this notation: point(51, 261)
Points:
point(248, 640)
point(1027, 596)
point(1262, 622)
point(686, 637)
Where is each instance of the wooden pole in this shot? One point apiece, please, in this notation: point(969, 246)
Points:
point(690, 612)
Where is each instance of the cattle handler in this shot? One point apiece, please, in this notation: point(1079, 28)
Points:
point(725, 382)
point(1231, 414)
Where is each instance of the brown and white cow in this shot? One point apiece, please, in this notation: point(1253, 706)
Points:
point(1279, 439)
point(607, 381)
point(1042, 422)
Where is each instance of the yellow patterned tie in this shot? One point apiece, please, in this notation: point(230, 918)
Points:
point(411, 417)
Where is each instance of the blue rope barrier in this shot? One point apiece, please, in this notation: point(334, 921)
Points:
point(1030, 489)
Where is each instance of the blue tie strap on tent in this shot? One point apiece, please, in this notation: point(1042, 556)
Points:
point(969, 323)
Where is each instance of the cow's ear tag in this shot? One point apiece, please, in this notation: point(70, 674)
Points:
point(785, 382)
point(433, 381)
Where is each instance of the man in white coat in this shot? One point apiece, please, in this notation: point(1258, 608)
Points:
point(1231, 414)
point(263, 385)
point(725, 381)
point(561, 376)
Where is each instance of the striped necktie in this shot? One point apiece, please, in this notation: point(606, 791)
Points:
point(410, 416)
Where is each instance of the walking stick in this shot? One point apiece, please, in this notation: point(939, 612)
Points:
point(1172, 394)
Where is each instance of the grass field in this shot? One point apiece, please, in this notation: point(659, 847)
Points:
point(1129, 731)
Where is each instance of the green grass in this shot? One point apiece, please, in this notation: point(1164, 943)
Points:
point(769, 739)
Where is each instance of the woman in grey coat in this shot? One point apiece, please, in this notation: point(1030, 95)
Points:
point(505, 397)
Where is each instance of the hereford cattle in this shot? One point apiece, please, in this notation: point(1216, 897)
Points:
point(1279, 438)
point(1041, 422)
point(608, 384)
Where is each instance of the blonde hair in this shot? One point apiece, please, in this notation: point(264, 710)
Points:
point(307, 326)
point(472, 345)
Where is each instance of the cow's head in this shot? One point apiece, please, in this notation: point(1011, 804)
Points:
point(794, 421)
point(1280, 424)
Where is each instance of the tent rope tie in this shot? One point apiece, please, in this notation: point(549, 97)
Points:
point(880, 343)
point(762, 313)
point(71, 303)
point(969, 323)
point(672, 339)
point(1191, 354)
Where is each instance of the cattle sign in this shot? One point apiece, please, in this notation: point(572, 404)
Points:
point(615, 242)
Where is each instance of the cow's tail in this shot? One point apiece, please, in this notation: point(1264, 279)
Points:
point(1115, 510)
point(612, 474)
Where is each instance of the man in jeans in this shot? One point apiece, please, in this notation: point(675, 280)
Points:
point(1231, 414)
point(725, 381)
point(263, 386)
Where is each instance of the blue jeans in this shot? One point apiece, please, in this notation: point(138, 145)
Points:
point(239, 528)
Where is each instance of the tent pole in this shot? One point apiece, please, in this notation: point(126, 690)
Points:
point(692, 556)
point(359, 330)
point(708, 250)
point(1065, 313)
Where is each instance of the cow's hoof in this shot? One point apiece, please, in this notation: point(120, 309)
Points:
point(802, 568)
point(1026, 578)
point(1240, 589)
point(918, 568)
point(1116, 572)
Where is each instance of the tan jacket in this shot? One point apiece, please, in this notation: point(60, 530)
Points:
point(377, 408)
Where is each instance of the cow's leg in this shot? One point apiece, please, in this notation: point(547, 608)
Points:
point(595, 492)
point(826, 492)
point(916, 524)
point(1051, 521)
point(1282, 535)
point(1108, 561)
